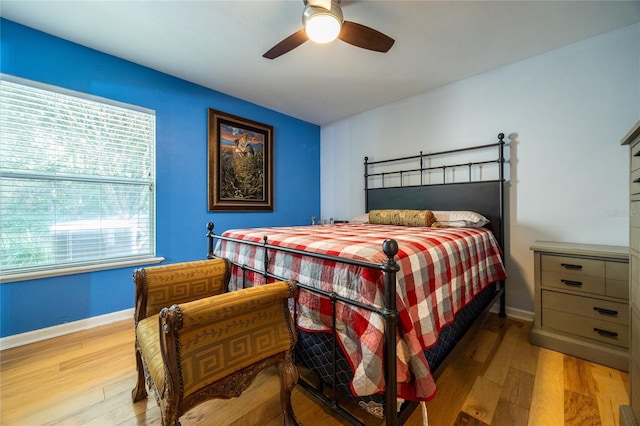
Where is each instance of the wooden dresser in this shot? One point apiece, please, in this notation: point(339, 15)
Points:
point(630, 415)
point(581, 301)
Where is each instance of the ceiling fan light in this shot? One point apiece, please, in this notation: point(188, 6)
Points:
point(323, 27)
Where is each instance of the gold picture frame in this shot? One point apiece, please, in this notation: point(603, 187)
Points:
point(240, 163)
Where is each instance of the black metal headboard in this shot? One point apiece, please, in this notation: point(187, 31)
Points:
point(482, 196)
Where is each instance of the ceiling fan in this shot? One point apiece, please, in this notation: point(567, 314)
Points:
point(329, 14)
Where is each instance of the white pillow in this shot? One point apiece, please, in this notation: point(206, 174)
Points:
point(363, 218)
point(460, 219)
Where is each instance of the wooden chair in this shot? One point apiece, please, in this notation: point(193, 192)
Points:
point(195, 341)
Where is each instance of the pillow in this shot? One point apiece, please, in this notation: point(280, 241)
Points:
point(459, 219)
point(363, 218)
point(402, 217)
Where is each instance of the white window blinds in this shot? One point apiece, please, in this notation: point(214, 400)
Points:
point(76, 178)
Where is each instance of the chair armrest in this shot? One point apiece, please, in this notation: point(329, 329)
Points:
point(231, 331)
point(158, 287)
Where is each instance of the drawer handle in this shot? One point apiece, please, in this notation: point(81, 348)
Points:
point(571, 283)
point(604, 311)
point(636, 154)
point(605, 333)
point(636, 180)
point(571, 266)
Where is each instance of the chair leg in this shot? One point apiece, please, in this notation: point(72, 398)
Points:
point(139, 391)
point(288, 380)
point(170, 419)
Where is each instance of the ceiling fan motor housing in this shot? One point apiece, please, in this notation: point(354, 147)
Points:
point(329, 22)
point(311, 10)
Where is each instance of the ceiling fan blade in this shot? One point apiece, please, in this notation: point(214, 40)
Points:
point(286, 45)
point(365, 37)
point(325, 4)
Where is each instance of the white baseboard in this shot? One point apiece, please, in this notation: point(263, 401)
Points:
point(514, 313)
point(62, 329)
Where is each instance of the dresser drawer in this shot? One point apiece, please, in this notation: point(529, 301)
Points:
point(608, 332)
point(634, 286)
point(617, 279)
point(617, 288)
point(634, 225)
point(574, 265)
point(635, 343)
point(574, 282)
point(617, 271)
point(634, 238)
point(602, 310)
point(634, 214)
point(635, 157)
point(634, 187)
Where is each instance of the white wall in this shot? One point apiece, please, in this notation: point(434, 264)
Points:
point(564, 112)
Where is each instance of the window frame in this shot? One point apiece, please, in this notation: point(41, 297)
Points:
point(52, 270)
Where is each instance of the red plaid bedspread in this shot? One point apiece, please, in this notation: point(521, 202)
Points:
point(441, 271)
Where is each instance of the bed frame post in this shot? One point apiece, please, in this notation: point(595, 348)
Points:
point(421, 169)
point(390, 312)
point(503, 312)
point(265, 264)
point(366, 184)
point(210, 235)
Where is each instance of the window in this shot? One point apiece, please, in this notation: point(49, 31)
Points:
point(77, 178)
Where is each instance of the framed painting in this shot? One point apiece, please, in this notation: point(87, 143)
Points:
point(240, 163)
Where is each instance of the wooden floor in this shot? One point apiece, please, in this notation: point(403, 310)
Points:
point(498, 378)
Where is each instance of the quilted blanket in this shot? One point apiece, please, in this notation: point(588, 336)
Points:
point(441, 271)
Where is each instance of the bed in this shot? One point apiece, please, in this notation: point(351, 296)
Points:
point(382, 303)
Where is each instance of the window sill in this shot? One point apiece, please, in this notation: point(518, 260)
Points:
point(77, 269)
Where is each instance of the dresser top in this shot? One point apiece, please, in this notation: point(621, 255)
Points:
point(632, 135)
point(558, 247)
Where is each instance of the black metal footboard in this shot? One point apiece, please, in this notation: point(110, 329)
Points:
point(389, 312)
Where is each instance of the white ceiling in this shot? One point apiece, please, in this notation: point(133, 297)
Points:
point(219, 44)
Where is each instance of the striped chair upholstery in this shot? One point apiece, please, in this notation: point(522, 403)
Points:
point(213, 347)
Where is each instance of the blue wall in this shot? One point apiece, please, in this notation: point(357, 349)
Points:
point(181, 161)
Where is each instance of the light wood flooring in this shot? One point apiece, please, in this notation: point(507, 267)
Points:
point(498, 378)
